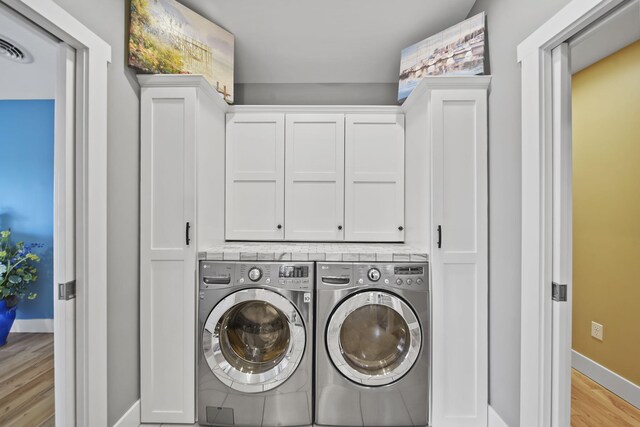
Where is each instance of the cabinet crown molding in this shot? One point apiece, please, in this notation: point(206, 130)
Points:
point(317, 109)
point(197, 81)
point(430, 83)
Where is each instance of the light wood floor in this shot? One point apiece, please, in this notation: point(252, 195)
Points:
point(594, 406)
point(26, 381)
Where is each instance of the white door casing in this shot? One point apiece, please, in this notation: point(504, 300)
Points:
point(562, 239)
point(374, 177)
point(314, 176)
point(534, 54)
point(459, 257)
point(255, 177)
point(92, 56)
point(167, 254)
point(64, 268)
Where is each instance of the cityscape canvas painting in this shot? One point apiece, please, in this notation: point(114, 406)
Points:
point(165, 37)
point(458, 50)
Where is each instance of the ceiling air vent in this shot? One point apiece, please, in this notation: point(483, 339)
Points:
point(12, 51)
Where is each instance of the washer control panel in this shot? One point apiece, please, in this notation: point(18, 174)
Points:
point(221, 274)
point(406, 275)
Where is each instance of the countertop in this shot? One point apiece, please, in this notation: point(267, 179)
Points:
point(291, 251)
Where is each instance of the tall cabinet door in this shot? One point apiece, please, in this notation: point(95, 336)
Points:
point(167, 256)
point(314, 203)
point(374, 177)
point(459, 257)
point(255, 176)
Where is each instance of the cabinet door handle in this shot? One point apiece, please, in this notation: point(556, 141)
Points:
point(339, 227)
point(439, 236)
point(186, 233)
point(400, 228)
point(279, 226)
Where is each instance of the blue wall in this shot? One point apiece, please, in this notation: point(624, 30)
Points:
point(26, 189)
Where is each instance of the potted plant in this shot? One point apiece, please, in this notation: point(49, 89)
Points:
point(17, 272)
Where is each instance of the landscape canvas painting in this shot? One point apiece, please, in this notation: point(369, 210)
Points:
point(458, 50)
point(165, 37)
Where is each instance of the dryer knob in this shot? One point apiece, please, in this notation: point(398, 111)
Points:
point(255, 274)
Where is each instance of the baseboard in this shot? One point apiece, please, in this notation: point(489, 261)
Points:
point(494, 420)
point(606, 378)
point(33, 325)
point(131, 418)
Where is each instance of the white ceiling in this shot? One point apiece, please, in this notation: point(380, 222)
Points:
point(328, 41)
point(35, 80)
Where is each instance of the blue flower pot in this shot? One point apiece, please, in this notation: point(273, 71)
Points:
point(7, 316)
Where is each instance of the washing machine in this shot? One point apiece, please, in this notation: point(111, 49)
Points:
point(372, 344)
point(255, 344)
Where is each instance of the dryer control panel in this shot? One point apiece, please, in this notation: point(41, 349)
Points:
point(286, 275)
point(410, 276)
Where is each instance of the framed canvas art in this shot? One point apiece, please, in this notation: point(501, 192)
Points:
point(166, 37)
point(458, 50)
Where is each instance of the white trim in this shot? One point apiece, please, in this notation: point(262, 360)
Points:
point(568, 22)
point(494, 420)
point(608, 379)
point(445, 82)
point(317, 109)
point(535, 56)
point(131, 418)
point(183, 80)
point(93, 54)
point(32, 326)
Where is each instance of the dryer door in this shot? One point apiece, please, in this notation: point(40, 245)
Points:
point(253, 340)
point(374, 338)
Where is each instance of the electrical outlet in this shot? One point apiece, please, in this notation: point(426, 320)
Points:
point(597, 331)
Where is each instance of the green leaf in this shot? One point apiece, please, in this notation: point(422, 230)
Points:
point(15, 279)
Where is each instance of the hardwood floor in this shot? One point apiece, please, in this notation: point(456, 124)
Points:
point(594, 406)
point(26, 381)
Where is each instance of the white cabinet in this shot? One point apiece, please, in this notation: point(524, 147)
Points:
point(459, 254)
point(374, 177)
point(175, 122)
point(305, 177)
point(255, 176)
point(314, 170)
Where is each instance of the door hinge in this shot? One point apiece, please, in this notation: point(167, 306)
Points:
point(559, 292)
point(67, 291)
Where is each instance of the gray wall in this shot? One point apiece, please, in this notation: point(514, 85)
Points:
point(108, 19)
point(316, 93)
point(508, 23)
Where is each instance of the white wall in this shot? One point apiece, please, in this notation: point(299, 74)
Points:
point(316, 93)
point(508, 23)
point(108, 19)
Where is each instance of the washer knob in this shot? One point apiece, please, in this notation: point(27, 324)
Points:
point(409, 281)
point(360, 281)
point(419, 281)
point(255, 274)
point(374, 274)
point(399, 282)
point(241, 280)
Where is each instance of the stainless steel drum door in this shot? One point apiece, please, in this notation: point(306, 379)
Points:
point(374, 338)
point(253, 340)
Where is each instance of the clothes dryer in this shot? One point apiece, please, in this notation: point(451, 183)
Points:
point(372, 344)
point(255, 344)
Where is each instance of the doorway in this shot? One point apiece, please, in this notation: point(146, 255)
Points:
point(37, 222)
point(605, 199)
point(547, 222)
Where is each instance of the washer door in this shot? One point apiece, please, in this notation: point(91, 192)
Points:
point(253, 340)
point(374, 338)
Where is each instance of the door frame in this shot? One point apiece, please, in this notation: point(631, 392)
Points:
point(93, 55)
point(534, 55)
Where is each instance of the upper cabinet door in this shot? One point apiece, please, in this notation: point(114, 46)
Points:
point(374, 177)
point(314, 205)
point(255, 177)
